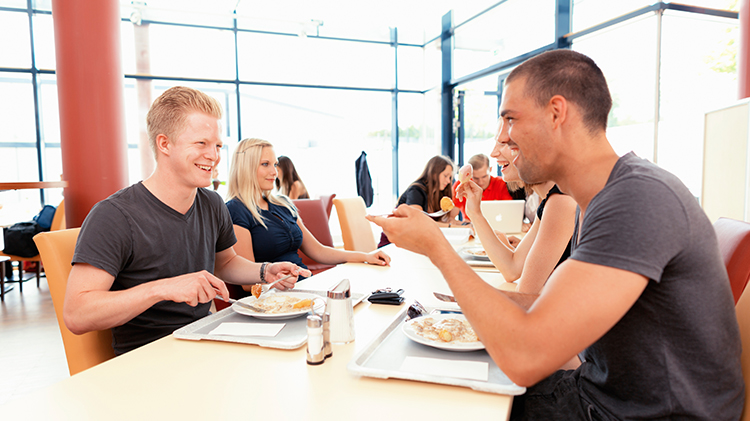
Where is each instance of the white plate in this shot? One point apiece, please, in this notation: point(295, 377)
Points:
point(448, 346)
point(317, 305)
point(468, 253)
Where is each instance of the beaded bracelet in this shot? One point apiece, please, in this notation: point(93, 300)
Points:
point(263, 272)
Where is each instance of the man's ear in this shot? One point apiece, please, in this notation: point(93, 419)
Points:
point(163, 145)
point(558, 107)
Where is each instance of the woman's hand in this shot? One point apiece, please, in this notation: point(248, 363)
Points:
point(378, 257)
point(278, 270)
point(472, 193)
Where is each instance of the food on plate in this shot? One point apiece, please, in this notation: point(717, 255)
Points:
point(256, 290)
point(445, 330)
point(465, 173)
point(277, 304)
point(303, 303)
point(478, 252)
point(446, 204)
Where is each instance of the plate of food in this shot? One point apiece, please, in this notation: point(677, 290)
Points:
point(280, 305)
point(451, 332)
point(477, 253)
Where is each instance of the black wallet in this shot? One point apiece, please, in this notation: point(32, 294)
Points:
point(386, 296)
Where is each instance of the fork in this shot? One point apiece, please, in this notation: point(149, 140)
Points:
point(444, 297)
point(267, 287)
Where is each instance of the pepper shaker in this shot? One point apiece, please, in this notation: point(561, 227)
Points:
point(315, 344)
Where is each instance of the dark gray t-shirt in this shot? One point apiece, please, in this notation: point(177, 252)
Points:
point(676, 353)
point(136, 238)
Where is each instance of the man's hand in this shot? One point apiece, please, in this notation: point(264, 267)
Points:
point(192, 288)
point(472, 193)
point(411, 229)
point(378, 257)
point(278, 270)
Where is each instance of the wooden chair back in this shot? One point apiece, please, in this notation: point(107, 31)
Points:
point(355, 229)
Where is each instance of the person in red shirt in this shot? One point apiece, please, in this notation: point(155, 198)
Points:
point(494, 187)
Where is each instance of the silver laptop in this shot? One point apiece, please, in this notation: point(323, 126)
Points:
point(505, 216)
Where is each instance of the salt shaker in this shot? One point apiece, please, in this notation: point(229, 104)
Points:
point(340, 308)
point(327, 335)
point(315, 346)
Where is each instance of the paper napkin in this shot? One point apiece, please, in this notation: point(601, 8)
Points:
point(472, 370)
point(247, 329)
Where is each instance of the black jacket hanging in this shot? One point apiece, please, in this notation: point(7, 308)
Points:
point(364, 182)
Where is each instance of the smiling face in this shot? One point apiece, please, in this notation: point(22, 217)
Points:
point(504, 157)
point(267, 172)
point(194, 153)
point(525, 132)
point(446, 177)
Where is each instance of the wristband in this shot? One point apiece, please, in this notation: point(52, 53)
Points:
point(263, 272)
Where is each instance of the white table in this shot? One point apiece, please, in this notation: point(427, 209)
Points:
point(179, 379)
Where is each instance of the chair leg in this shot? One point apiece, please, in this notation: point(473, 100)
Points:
point(20, 277)
point(2, 282)
point(38, 269)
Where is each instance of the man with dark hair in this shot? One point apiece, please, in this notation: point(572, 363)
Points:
point(149, 257)
point(644, 298)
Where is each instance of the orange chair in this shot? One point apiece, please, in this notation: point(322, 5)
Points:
point(314, 216)
point(58, 223)
point(734, 244)
point(743, 319)
point(82, 351)
point(355, 229)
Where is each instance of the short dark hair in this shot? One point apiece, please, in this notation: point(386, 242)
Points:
point(571, 75)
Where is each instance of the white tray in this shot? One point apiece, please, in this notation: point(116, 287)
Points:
point(382, 358)
point(292, 336)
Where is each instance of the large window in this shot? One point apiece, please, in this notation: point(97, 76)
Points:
point(323, 82)
point(324, 131)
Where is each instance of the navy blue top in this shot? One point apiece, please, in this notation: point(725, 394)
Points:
point(277, 243)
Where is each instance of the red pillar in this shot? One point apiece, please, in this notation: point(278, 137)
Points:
point(90, 96)
point(743, 53)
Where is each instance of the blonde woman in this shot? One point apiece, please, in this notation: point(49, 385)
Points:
point(268, 227)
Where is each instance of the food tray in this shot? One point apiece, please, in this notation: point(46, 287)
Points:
point(292, 336)
point(382, 358)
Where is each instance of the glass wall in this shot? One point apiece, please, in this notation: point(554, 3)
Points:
point(506, 31)
point(322, 82)
point(698, 67)
point(631, 76)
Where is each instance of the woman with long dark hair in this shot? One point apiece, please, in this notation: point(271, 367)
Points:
point(288, 182)
point(426, 191)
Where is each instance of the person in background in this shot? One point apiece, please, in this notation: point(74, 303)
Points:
point(268, 227)
point(425, 193)
point(151, 257)
point(644, 297)
point(288, 181)
point(544, 247)
point(493, 188)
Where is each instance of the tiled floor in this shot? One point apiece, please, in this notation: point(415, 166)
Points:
point(31, 349)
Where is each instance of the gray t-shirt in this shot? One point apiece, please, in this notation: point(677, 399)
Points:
point(676, 353)
point(136, 238)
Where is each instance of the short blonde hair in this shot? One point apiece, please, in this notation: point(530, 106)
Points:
point(478, 161)
point(243, 181)
point(168, 114)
